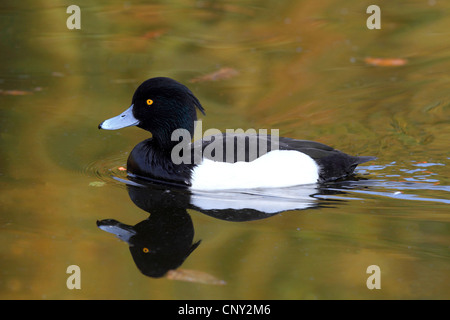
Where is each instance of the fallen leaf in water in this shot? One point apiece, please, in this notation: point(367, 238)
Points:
point(194, 276)
point(154, 34)
point(96, 184)
point(221, 74)
point(385, 62)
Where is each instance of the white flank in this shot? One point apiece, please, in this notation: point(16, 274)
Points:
point(278, 168)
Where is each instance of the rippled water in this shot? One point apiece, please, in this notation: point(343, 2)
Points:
point(312, 70)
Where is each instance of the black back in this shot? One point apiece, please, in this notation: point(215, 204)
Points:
point(153, 163)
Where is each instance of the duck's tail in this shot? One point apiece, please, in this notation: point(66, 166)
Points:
point(362, 159)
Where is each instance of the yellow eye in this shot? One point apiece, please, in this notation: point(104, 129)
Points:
point(149, 102)
point(145, 250)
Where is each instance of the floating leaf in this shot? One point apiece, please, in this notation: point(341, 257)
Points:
point(221, 74)
point(154, 34)
point(385, 62)
point(97, 184)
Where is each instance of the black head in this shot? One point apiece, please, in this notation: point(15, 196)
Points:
point(160, 105)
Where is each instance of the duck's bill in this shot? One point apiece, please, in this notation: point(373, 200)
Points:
point(122, 231)
point(123, 120)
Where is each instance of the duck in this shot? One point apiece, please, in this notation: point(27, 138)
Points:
point(222, 161)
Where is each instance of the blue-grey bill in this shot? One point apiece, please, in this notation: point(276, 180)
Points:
point(122, 231)
point(123, 120)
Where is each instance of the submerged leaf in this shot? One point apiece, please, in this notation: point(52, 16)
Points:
point(15, 92)
point(194, 276)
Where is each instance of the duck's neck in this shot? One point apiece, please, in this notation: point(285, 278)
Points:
point(163, 143)
point(163, 139)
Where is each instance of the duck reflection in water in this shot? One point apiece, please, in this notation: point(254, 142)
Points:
point(164, 240)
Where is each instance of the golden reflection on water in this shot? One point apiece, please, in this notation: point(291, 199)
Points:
point(300, 67)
